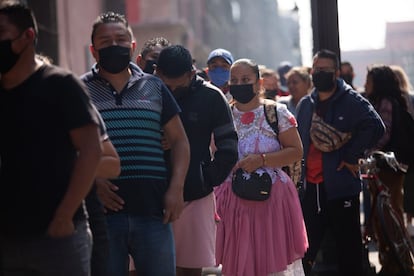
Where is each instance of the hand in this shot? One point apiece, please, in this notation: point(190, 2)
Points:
point(353, 168)
point(60, 227)
point(164, 143)
point(105, 190)
point(250, 163)
point(173, 204)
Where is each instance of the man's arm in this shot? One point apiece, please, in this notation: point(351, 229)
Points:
point(109, 167)
point(369, 128)
point(86, 141)
point(225, 143)
point(180, 159)
point(110, 164)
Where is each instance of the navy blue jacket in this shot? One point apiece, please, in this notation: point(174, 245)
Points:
point(348, 112)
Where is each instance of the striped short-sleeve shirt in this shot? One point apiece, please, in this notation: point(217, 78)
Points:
point(134, 119)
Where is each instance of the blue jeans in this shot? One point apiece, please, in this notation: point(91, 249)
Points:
point(146, 239)
point(45, 256)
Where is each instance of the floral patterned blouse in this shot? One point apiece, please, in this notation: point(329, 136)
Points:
point(256, 135)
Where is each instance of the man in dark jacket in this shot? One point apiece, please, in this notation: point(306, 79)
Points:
point(205, 114)
point(332, 176)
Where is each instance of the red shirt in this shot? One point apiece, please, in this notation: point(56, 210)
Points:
point(314, 165)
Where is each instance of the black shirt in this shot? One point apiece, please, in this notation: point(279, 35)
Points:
point(37, 155)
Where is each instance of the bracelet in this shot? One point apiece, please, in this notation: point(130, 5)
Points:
point(263, 159)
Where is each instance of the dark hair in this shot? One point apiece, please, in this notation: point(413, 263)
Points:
point(110, 17)
point(151, 43)
point(347, 63)
point(19, 15)
point(385, 84)
point(174, 61)
point(250, 63)
point(324, 53)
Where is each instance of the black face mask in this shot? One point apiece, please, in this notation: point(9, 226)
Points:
point(7, 57)
point(323, 81)
point(114, 59)
point(180, 92)
point(242, 93)
point(149, 66)
point(347, 78)
point(270, 94)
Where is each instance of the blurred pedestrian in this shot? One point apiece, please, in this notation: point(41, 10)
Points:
point(408, 185)
point(282, 69)
point(299, 84)
point(150, 52)
point(218, 69)
point(347, 73)
point(383, 90)
point(271, 84)
point(50, 150)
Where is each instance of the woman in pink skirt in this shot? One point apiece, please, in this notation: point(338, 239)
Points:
point(267, 237)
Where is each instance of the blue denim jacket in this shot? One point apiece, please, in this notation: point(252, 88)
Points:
point(348, 112)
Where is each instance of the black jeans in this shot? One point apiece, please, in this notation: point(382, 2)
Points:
point(342, 216)
point(99, 229)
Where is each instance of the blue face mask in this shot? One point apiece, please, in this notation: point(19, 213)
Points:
point(219, 76)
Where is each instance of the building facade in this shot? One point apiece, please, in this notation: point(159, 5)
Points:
point(251, 29)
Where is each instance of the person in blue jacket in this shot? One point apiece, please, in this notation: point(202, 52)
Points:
point(336, 125)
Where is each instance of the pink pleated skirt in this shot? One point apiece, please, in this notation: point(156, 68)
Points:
point(259, 237)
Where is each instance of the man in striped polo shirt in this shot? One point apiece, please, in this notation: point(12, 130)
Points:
point(137, 108)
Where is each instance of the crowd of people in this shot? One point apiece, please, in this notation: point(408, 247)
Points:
point(135, 168)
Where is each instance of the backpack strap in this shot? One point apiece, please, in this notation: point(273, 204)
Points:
point(270, 108)
point(294, 170)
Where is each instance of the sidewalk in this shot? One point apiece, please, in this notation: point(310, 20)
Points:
point(372, 256)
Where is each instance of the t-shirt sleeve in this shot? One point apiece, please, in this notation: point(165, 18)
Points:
point(102, 128)
point(75, 105)
point(170, 107)
point(286, 119)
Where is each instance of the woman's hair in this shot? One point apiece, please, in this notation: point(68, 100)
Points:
point(250, 63)
point(403, 79)
point(302, 72)
point(385, 85)
point(267, 73)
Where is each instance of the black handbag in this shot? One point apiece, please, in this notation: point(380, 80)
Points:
point(257, 187)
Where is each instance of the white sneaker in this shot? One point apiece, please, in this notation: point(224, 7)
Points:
point(410, 230)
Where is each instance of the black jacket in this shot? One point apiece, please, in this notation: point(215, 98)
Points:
point(206, 113)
